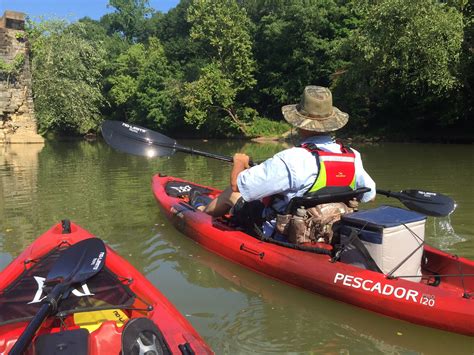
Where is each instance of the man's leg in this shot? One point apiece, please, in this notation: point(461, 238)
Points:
point(222, 203)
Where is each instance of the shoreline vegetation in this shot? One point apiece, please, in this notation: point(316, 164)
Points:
point(404, 71)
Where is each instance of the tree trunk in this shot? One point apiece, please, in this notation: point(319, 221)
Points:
point(236, 119)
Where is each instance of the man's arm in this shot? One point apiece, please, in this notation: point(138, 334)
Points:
point(363, 179)
point(241, 163)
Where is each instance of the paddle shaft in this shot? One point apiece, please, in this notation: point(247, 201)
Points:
point(440, 206)
point(138, 140)
point(200, 152)
point(386, 193)
point(30, 331)
point(189, 150)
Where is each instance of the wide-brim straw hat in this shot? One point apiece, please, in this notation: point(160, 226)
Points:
point(315, 112)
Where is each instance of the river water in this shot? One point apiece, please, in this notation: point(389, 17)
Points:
point(235, 310)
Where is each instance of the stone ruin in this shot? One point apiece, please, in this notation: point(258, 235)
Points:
point(17, 118)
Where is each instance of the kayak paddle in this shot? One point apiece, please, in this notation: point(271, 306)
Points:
point(426, 202)
point(141, 141)
point(75, 265)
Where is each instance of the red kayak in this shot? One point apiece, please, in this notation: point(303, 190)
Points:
point(443, 297)
point(115, 311)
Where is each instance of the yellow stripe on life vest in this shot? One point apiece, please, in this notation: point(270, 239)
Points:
point(92, 320)
point(320, 180)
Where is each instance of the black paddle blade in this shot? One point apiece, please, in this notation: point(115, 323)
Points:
point(75, 265)
point(137, 140)
point(434, 204)
point(426, 202)
point(78, 262)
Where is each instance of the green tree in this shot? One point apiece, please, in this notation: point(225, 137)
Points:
point(222, 31)
point(404, 63)
point(66, 78)
point(295, 44)
point(129, 18)
point(467, 65)
point(142, 88)
point(94, 31)
point(182, 51)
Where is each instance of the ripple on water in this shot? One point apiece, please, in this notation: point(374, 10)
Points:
point(259, 328)
point(444, 236)
point(157, 251)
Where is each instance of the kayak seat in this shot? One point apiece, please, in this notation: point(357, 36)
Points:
point(318, 198)
point(197, 198)
point(66, 342)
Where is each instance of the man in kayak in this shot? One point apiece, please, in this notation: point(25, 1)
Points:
point(295, 171)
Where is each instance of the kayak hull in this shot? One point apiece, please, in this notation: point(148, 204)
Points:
point(442, 307)
point(106, 338)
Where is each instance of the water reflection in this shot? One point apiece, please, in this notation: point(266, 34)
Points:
point(18, 191)
point(273, 317)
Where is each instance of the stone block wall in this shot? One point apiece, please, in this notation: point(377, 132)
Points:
point(17, 119)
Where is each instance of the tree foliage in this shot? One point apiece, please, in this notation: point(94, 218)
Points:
point(404, 58)
point(142, 87)
point(225, 67)
point(295, 45)
point(129, 18)
point(173, 30)
point(66, 78)
point(221, 28)
point(10, 70)
point(466, 97)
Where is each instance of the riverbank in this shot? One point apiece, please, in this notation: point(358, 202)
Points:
point(374, 139)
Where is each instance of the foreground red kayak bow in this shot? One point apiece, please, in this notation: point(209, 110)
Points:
point(117, 310)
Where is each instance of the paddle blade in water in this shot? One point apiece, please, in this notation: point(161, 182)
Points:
point(429, 203)
point(78, 262)
point(136, 140)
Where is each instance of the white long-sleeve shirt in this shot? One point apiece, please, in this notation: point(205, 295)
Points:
point(292, 172)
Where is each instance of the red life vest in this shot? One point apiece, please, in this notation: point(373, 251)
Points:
point(336, 171)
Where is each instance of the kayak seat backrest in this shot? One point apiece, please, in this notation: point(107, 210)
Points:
point(324, 196)
point(70, 341)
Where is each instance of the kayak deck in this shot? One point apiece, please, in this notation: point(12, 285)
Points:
point(443, 299)
point(101, 308)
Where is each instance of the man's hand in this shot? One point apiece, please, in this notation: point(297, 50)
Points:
point(241, 162)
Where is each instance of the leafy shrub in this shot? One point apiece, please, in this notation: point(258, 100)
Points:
point(20, 36)
point(264, 127)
